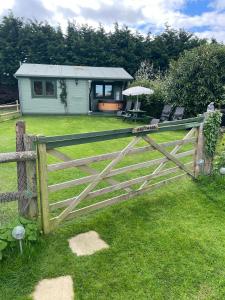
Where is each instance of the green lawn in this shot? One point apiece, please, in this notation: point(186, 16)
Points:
point(169, 244)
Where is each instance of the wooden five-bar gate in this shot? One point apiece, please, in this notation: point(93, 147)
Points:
point(180, 157)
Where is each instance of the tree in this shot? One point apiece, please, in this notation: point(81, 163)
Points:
point(197, 78)
point(168, 46)
point(10, 48)
point(31, 41)
point(145, 71)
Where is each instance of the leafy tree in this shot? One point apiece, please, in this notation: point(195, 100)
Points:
point(127, 48)
point(146, 71)
point(168, 46)
point(38, 42)
point(10, 48)
point(197, 78)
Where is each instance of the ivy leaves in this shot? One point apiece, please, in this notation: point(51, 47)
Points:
point(63, 94)
point(211, 132)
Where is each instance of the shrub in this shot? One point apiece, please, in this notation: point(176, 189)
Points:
point(153, 104)
point(197, 78)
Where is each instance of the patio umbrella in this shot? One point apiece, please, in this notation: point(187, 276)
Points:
point(137, 91)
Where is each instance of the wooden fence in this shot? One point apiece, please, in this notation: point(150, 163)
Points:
point(9, 111)
point(25, 157)
point(177, 162)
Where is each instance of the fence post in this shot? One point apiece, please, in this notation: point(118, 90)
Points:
point(199, 152)
point(43, 186)
point(17, 105)
point(208, 160)
point(31, 177)
point(21, 166)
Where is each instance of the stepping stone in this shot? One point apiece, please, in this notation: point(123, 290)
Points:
point(60, 288)
point(87, 243)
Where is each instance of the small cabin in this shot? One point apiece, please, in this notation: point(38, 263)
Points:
point(61, 89)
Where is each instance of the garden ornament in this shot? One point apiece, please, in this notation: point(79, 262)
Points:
point(210, 107)
point(222, 171)
point(18, 233)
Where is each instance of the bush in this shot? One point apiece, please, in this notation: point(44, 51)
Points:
point(153, 104)
point(197, 78)
point(6, 239)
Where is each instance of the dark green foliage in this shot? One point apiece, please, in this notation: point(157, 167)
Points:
point(6, 239)
point(197, 78)
point(219, 158)
point(38, 42)
point(153, 104)
point(211, 132)
point(169, 45)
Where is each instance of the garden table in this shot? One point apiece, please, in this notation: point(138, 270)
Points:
point(136, 114)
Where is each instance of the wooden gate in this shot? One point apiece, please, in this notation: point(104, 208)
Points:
point(179, 158)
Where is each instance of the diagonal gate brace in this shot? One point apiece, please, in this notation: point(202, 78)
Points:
point(98, 178)
point(168, 155)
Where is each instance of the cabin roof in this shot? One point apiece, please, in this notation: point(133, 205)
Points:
point(64, 71)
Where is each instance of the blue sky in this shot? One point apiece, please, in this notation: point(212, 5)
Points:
point(194, 7)
point(206, 18)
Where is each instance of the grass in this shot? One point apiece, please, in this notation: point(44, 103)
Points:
point(165, 245)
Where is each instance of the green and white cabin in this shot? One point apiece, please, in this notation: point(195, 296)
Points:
point(61, 89)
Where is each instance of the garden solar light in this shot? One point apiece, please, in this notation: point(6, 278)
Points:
point(18, 233)
point(200, 163)
point(222, 171)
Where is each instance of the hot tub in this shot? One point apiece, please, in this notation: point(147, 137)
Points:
point(109, 105)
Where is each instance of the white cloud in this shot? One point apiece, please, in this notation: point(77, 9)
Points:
point(6, 5)
point(218, 35)
point(147, 14)
point(218, 4)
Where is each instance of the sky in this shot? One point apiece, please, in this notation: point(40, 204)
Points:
point(206, 18)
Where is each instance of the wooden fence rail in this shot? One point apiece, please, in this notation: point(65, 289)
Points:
point(17, 156)
point(15, 113)
point(127, 188)
point(25, 157)
point(52, 142)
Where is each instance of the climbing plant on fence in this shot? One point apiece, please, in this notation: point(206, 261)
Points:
point(63, 94)
point(211, 132)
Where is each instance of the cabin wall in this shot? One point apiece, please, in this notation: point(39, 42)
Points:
point(77, 98)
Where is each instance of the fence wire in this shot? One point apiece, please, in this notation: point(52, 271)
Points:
point(9, 193)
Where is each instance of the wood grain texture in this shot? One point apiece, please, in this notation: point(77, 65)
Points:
point(31, 171)
point(106, 156)
point(173, 152)
point(43, 186)
point(117, 199)
point(90, 178)
point(118, 186)
point(85, 168)
point(95, 181)
point(168, 155)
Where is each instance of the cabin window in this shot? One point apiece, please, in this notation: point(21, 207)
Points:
point(38, 88)
point(44, 88)
point(50, 88)
point(108, 90)
point(103, 90)
point(99, 90)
